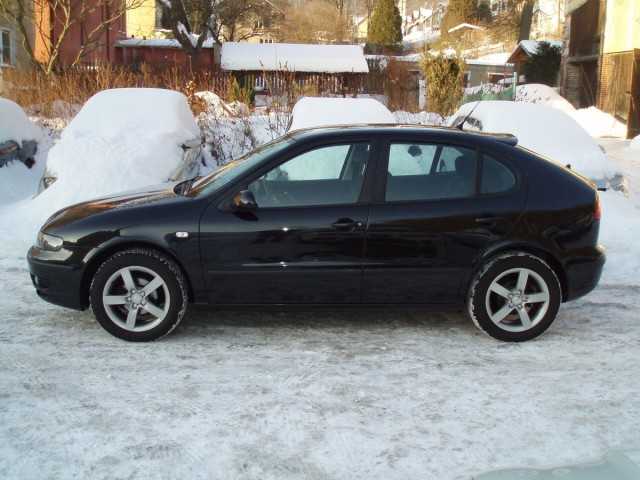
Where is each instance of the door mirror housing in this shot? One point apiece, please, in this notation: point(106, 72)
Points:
point(244, 201)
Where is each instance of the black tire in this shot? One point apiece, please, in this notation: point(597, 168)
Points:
point(478, 303)
point(175, 303)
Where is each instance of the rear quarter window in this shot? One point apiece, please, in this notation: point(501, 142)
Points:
point(496, 177)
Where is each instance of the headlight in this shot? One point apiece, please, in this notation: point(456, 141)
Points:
point(49, 242)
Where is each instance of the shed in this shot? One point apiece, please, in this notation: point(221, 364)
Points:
point(323, 68)
point(525, 49)
point(491, 68)
point(164, 52)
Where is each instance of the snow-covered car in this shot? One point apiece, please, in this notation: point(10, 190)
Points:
point(544, 130)
point(17, 135)
point(312, 112)
point(124, 139)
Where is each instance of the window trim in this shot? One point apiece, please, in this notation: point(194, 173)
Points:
point(383, 165)
point(365, 197)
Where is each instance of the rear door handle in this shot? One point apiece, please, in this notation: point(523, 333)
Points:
point(346, 224)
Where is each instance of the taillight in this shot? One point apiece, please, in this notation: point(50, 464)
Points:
point(597, 209)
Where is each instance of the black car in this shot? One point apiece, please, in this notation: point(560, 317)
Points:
point(383, 216)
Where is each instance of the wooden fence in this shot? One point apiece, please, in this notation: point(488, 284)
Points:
point(619, 89)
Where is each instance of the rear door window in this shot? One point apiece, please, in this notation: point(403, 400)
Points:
point(421, 171)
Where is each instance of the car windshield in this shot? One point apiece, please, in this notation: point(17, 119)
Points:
point(236, 168)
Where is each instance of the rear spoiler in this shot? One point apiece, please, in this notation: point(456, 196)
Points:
point(505, 138)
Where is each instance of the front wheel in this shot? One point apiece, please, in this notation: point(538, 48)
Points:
point(514, 297)
point(139, 295)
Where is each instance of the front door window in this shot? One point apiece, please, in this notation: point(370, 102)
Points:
point(329, 175)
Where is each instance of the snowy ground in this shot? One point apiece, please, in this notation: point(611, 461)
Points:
point(391, 395)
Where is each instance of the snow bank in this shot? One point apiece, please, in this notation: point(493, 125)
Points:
point(635, 143)
point(120, 140)
point(599, 123)
point(14, 123)
point(596, 122)
point(311, 112)
point(547, 131)
point(293, 57)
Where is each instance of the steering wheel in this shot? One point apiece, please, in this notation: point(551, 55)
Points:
point(280, 198)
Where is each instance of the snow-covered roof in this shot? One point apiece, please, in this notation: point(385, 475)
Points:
point(530, 47)
point(158, 43)
point(420, 36)
point(293, 57)
point(464, 25)
point(497, 59)
point(412, 57)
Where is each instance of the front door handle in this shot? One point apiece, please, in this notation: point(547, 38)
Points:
point(489, 220)
point(346, 224)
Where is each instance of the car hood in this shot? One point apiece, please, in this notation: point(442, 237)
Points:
point(135, 198)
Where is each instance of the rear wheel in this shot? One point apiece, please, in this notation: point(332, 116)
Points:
point(514, 297)
point(138, 295)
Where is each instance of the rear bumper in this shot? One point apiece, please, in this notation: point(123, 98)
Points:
point(583, 274)
point(60, 284)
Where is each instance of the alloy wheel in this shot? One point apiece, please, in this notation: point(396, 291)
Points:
point(136, 298)
point(517, 299)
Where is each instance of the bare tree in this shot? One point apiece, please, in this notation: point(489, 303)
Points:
point(316, 21)
point(193, 22)
point(44, 26)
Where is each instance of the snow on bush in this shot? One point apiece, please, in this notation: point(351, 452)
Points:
point(310, 112)
point(14, 123)
point(121, 139)
point(218, 107)
point(543, 94)
point(547, 131)
point(418, 118)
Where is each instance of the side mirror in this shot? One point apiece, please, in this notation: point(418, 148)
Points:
point(244, 201)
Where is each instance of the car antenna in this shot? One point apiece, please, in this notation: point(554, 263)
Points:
point(461, 124)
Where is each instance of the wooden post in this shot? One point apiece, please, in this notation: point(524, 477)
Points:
point(633, 119)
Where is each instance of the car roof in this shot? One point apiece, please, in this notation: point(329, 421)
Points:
point(435, 133)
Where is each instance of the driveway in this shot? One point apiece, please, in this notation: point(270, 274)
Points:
point(352, 395)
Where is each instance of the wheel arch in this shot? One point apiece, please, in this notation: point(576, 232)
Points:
point(94, 262)
point(535, 250)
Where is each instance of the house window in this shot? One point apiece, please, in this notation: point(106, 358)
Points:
point(6, 48)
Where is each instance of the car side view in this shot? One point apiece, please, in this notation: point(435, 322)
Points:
point(382, 216)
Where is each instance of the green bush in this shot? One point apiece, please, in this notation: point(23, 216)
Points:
point(444, 76)
point(543, 66)
point(385, 26)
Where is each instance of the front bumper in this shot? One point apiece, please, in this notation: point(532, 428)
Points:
point(56, 279)
point(583, 274)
